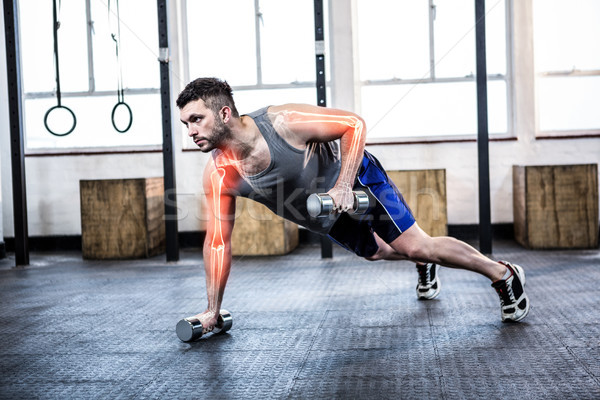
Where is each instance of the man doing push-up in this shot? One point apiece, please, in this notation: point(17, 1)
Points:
point(280, 155)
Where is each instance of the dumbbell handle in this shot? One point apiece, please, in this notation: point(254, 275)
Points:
point(190, 329)
point(321, 204)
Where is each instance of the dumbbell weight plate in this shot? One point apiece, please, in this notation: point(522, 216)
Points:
point(224, 322)
point(189, 329)
point(361, 202)
point(319, 204)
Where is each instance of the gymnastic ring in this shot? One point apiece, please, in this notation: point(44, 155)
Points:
point(113, 117)
point(46, 120)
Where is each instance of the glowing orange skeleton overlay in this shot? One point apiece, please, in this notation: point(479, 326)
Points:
point(350, 164)
point(217, 247)
point(346, 178)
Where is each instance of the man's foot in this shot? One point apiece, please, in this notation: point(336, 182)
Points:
point(513, 300)
point(429, 284)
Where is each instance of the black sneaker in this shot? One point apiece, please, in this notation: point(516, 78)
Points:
point(429, 284)
point(513, 300)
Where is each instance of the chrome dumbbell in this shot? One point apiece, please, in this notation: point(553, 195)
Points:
point(190, 329)
point(321, 204)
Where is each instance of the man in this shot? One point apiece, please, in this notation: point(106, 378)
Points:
point(279, 155)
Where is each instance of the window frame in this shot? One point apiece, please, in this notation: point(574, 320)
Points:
point(573, 73)
point(90, 92)
point(564, 133)
point(432, 79)
point(183, 50)
point(259, 85)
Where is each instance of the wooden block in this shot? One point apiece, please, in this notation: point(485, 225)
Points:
point(556, 206)
point(122, 218)
point(425, 193)
point(258, 231)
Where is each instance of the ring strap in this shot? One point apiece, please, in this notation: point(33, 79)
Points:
point(56, 25)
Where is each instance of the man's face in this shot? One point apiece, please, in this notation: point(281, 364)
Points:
point(206, 129)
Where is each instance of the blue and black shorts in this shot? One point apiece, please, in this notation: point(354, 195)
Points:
point(388, 214)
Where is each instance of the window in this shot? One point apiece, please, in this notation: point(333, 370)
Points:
point(265, 49)
point(417, 67)
point(567, 64)
point(89, 73)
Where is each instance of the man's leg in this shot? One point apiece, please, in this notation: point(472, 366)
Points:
point(507, 279)
point(416, 245)
point(428, 286)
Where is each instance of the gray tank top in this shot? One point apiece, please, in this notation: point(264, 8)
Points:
point(286, 183)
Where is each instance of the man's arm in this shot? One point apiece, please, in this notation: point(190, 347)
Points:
point(306, 123)
point(220, 210)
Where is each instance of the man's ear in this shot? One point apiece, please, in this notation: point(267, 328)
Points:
point(225, 114)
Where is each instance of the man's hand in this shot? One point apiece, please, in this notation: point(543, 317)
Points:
point(208, 319)
point(343, 198)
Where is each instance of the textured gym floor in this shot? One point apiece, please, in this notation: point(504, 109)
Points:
point(303, 328)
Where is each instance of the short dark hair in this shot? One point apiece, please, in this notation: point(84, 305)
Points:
point(213, 91)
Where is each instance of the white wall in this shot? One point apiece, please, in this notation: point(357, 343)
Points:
point(460, 162)
point(53, 181)
point(53, 203)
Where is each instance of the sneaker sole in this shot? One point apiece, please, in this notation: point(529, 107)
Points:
point(429, 297)
point(436, 293)
point(521, 273)
point(526, 311)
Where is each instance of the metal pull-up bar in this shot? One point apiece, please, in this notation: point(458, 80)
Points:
point(483, 156)
point(15, 105)
point(171, 226)
point(326, 246)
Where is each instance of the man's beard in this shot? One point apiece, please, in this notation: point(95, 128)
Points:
point(220, 131)
point(219, 134)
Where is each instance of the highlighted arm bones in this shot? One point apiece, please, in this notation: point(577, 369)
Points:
point(330, 125)
point(217, 244)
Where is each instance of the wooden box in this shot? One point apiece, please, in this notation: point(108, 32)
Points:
point(122, 218)
point(425, 193)
point(556, 206)
point(259, 232)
